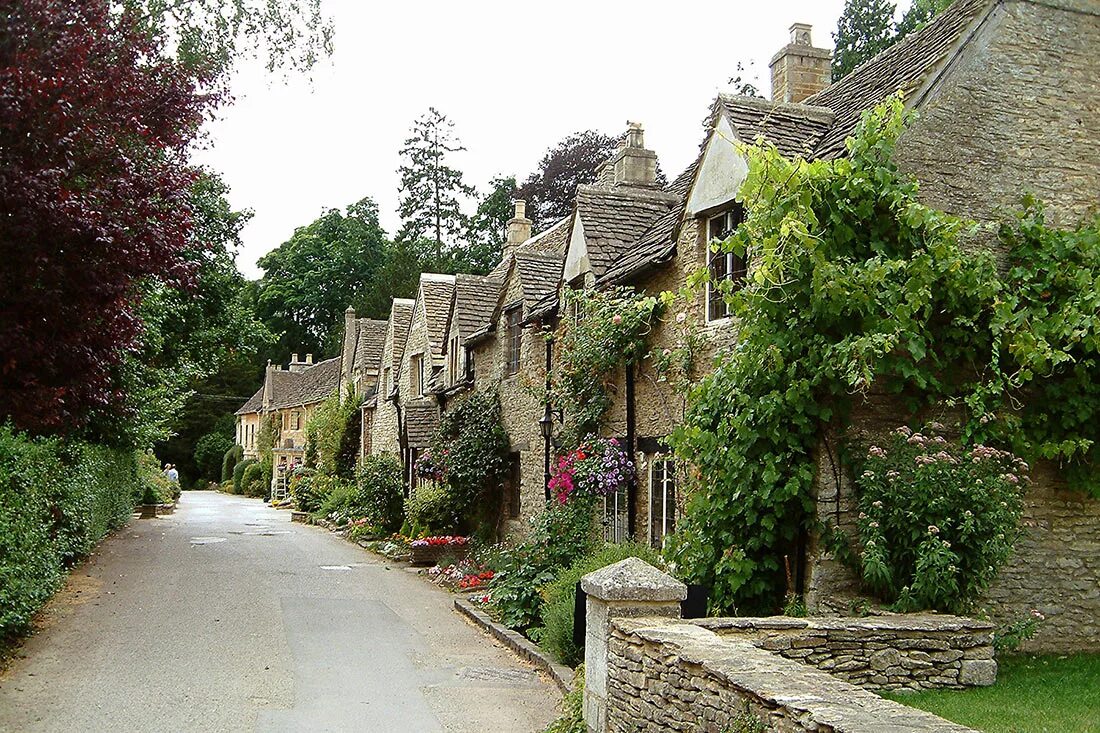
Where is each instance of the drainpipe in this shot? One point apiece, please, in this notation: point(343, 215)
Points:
point(549, 416)
point(632, 487)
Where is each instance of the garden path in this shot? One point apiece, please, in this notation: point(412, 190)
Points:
point(227, 617)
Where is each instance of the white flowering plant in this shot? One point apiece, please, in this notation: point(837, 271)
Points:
point(936, 519)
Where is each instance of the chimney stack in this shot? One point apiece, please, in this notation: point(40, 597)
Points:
point(518, 229)
point(269, 393)
point(298, 366)
point(800, 70)
point(348, 352)
point(309, 358)
point(634, 165)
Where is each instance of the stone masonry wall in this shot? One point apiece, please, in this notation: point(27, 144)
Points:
point(666, 675)
point(384, 426)
point(912, 651)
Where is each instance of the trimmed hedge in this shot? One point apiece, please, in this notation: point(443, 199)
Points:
point(57, 500)
point(232, 457)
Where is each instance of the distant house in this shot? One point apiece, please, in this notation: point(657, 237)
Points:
point(382, 411)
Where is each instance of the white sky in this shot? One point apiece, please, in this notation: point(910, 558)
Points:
point(514, 77)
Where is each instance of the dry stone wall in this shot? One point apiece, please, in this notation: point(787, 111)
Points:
point(671, 676)
point(919, 651)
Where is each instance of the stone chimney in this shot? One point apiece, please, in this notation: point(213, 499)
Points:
point(347, 354)
point(798, 69)
point(518, 229)
point(300, 366)
point(309, 359)
point(269, 393)
point(633, 164)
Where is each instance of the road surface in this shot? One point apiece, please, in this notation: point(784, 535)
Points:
point(227, 617)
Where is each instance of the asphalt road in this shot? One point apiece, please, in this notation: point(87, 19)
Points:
point(227, 617)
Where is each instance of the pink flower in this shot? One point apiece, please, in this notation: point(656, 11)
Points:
point(616, 319)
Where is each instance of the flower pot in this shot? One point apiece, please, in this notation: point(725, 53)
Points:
point(431, 554)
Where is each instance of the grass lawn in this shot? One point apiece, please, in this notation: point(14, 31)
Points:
point(1033, 694)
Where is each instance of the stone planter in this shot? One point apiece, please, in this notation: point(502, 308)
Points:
point(300, 517)
point(149, 511)
point(431, 554)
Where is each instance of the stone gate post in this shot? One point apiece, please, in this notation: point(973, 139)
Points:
point(629, 588)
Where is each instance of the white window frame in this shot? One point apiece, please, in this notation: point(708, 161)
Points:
point(667, 466)
point(729, 224)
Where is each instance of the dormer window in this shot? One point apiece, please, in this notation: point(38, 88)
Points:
point(723, 266)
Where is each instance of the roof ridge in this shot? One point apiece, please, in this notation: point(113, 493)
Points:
point(810, 110)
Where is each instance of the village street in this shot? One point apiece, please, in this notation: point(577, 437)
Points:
point(227, 617)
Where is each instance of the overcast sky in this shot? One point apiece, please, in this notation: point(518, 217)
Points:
point(514, 77)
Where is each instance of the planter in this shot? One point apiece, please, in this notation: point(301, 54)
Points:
point(300, 517)
point(431, 554)
point(149, 511)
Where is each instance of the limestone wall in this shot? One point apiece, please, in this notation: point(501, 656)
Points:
point(663, 675)
point(384, 425)
point(912, 651)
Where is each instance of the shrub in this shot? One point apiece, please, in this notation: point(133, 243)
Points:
point(559, 535)
point(380, 492)
point(153, 486)
point(311, 489)
point(230, 460)
point(572, 708)
point(559, 597)
point(337, 498)
point(238, 474)
point(209, 454)
point(57, 500)
point(936, 521)
point(432, 509)
point(326, 430)
point(252, 480)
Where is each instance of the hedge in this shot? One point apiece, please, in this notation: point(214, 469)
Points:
point(58, 498)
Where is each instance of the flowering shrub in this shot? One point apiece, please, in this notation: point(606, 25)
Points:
point(448, 540)
point(600, 467)
point(936, 520)
point(432, 467)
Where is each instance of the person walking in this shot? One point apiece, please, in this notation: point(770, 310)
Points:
point(172, 474)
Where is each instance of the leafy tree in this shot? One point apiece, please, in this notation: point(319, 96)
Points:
point(550, 190)
point(402, 263)
point(432, 191)
point(865, 28)
point(919, 13)
point(210, 450)
point(487, 226)
point(310, 279)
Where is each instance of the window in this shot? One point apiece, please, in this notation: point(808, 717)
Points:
point(454, 356)
point(416, 375)
point(469, 366)
point(386, 383)
point(512, 486)
point(514, 335)
point(722, 265)
point(616, 518)
point(295, 420)
point(662, 500)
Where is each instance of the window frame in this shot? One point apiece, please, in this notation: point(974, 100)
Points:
point(416, 374)
point(666, 464)
point(295, 420)
point(734, 267)
point(513, 318)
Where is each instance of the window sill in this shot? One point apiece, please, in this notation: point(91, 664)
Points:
point(718, 322)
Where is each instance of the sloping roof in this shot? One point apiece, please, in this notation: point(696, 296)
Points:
point(475, 300)
point(539, 275)
point(400, 316)
point(370, 342)
point(658, 243)
point(306, 387)
point(421, 421)
point(794, 129)
point(616, 218)
point(436, 292)
point(904, 66)
point(552, 240)
point(254, 403)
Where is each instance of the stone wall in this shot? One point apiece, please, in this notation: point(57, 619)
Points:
point(664, 675)
point(384, 423)
point(912, 651)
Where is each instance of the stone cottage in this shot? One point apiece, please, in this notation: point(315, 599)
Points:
point(381, 419)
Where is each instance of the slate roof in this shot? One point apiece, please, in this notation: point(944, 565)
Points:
point(421, 421)
point(475, 300)
point(254, 403)
point(539, 275)
point(614, 219)
point(401, 316)
point(794, 129)
point(552, 240)
point(436, 292)
point(306, 387)
point(370, 342)
point(905, 66)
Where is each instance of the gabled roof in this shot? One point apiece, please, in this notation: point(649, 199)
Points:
point(254, 403)
point(539, 275)
point(613, 219)
point(794, 129)
point(306, 387)
point(435, 295)
point(370, 341)
point(475, 300)
point(904, 66)
point(400, 317)
point(421, 421)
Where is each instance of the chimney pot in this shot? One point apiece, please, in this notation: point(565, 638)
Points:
point(309, 358)
point(518, 229)
point(800, 70)
point(293, 358)
point(634, 165)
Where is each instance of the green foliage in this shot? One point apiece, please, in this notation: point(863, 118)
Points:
point(238, 474)
point(210, 451)
point(867, 27)
point(556, 632)
point(485, 231)
point(57, 500)
point(230, 460)
point(1009, 637)
point(472, 444)
point(252, 480)
point(604, 330)
point(333, 433)
point(936, 521)
point(572, 708)
point(310, 489)
point(380, 492)
point(559, 535)
point(153, 486)
point(432, 509)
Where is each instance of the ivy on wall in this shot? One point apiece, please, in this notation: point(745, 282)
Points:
point(855, 283)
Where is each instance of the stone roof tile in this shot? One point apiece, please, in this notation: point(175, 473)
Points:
point(421, 421)
point(616, 218)
point(370, 342)
point(436, 292)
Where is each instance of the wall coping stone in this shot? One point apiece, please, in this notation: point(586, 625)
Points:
point(901, 622)
point(808, 695)
point(632, 579)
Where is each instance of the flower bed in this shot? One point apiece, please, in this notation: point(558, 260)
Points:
point(430, 550)
point(463, 575)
